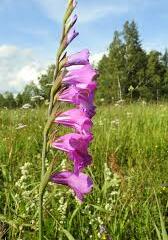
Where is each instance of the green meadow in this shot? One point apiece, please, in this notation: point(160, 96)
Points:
point(129, 200)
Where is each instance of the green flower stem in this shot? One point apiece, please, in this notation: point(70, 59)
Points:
point(51, 115)
point(43, 186)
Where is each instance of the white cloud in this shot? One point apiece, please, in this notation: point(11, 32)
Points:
point(157, 44)
point(96, 57)
point(25, 75)
point(89, 10)
point(6, 51)
point(101, 11)
point(17, 68)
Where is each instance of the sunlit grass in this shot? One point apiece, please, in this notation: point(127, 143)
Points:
point(132, 139)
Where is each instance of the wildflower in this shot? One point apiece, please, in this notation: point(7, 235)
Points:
point(81, 184)
point(77, 87)
point(74, 3)
point(37, 97)
point(73, 141)
point(80, 58)
point(84, 74)
point(20, 126)
point(73, 21)
point(71, 35)
point(74, 95)
point(76, 119)
point(81, 97)
point(26, 106)
point(75, 145)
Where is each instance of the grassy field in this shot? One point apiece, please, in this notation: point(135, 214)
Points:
point(130, 172)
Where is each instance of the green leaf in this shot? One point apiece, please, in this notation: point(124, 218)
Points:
point(100, 208)
point(67, 234)
point(8, 221)
point(164, 232)
point(72, 217)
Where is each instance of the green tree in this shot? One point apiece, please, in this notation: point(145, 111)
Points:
point(117, 65)
point(45, 81)
point(30, 91)
point(164, 87)
point(111, 69)
point(2, 101)
point(9, 100)
point(104, 84)
point(135, 59)
point(164, 59)
point(19, 100)
point(154, 74)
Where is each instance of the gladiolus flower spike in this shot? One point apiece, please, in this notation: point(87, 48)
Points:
point(74, 82)
point(78, 88)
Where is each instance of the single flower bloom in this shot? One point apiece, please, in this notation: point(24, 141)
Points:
point(90, 86)
point(84, 74)
point(81, 184)
point(71, 35)
point(72, 21)
point(88, 109)
point(73, 142)
point(78, 94)
point(80, 58)
point(74, 3)
point(75, 145)
point(74, 95)
point(81, 97)
point(81, 160)
point(76, 119)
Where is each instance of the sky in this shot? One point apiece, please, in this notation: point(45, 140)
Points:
point(30, 30)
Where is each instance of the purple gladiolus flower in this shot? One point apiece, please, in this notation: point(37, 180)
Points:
point(73, 142)
point(80, 58)
point(78, 87)
point(76, 119)
point(75, 145)
point(71, 35)
point(81, 184)
point(73, 20)
point(84, 74)
point(78, 94)
point(74, 95)
point(90, 86)
point(81, 97)
point(80, 159)
point(89, 110)
point(74, 3)
point(88, 106)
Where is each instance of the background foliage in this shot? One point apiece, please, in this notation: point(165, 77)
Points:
point(130, 169)
point(126, 71)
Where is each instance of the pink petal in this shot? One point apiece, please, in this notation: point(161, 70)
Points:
point(80, 58)
point(81, 184)
point(76, 119)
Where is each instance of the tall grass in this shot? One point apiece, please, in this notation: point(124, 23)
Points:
point(130, 172)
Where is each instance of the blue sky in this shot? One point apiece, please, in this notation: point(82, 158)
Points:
point(29, 32)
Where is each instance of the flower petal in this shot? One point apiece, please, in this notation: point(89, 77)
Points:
point(81, 184)
point(80, 58)
point(84, 74)
point(76, 119)
point(71, 35)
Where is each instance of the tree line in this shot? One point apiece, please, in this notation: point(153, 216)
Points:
point(126, 72)
point(32, 94)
